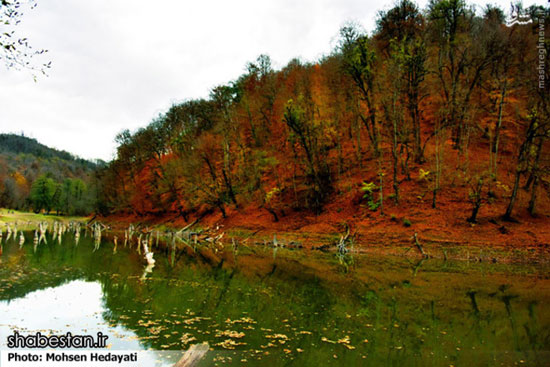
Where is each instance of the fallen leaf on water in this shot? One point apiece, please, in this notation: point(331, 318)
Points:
point(229, 344)
point(277, 336)
point(187, 338)
point(344, 340)
point(230, 334)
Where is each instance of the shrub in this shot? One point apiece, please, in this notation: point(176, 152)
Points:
point(423, 175)
point(368, 189)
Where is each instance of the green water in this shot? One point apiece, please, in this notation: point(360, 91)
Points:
point(289, 308)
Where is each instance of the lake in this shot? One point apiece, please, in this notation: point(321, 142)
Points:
point(277, 307)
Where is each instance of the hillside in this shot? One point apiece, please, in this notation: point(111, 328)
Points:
point(23, 160)
point(18, 144)
point(404, 130)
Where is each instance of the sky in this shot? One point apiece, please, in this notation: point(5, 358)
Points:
point(117, 64)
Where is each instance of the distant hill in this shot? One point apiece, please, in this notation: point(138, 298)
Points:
point(24, 159)
point(16, 144)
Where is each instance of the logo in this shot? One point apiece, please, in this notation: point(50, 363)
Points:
point(518, 16)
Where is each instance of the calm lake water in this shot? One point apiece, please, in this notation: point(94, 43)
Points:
point(286, 308)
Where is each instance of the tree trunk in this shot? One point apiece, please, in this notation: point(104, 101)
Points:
point(508, 214)
point(222, 209)
point(477, 205)
point(418, 152)
point(395, 162)
point(183, 214)
point(534, 170)
point(434, 198)
point(229, 187)
point(533, 199)
point(497, 129)
point(525, 146)
point(273, 213)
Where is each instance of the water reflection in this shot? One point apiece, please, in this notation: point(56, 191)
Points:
point(295, 308)
point(46, 310)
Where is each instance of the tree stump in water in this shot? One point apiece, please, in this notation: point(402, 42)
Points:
point(193, 355)
point(419, 246)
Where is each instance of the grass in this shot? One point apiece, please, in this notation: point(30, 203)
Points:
point(23, 218)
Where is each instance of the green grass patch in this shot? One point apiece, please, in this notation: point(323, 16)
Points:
point(29, 220)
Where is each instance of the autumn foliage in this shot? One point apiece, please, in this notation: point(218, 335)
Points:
point(440, 105)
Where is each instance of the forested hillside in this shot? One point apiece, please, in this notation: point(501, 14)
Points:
point(440, 113)
point(34, 176)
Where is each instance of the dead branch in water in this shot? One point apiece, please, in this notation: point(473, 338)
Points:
point(345, 240)
point(188, 226)
point(193, 355)
point(419, 246)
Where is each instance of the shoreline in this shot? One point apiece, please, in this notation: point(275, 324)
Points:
point(384, 236)
point(376, 240)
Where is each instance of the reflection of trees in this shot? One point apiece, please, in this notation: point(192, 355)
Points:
point(29, 270)
point(216, 294)
point(312, 295)
point(31, 283)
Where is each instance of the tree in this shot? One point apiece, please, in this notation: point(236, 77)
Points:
point(288, 139)
point(477, 184)
point(299, 118)
point(392, 98)
point(359, 59)
point(402, 22)
point(223, 98)
point(70, 197)
point(400, 30)
point(462, 55)
point(501, 42)
point(16, 52)
point(531, 156)
point(42, 194)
